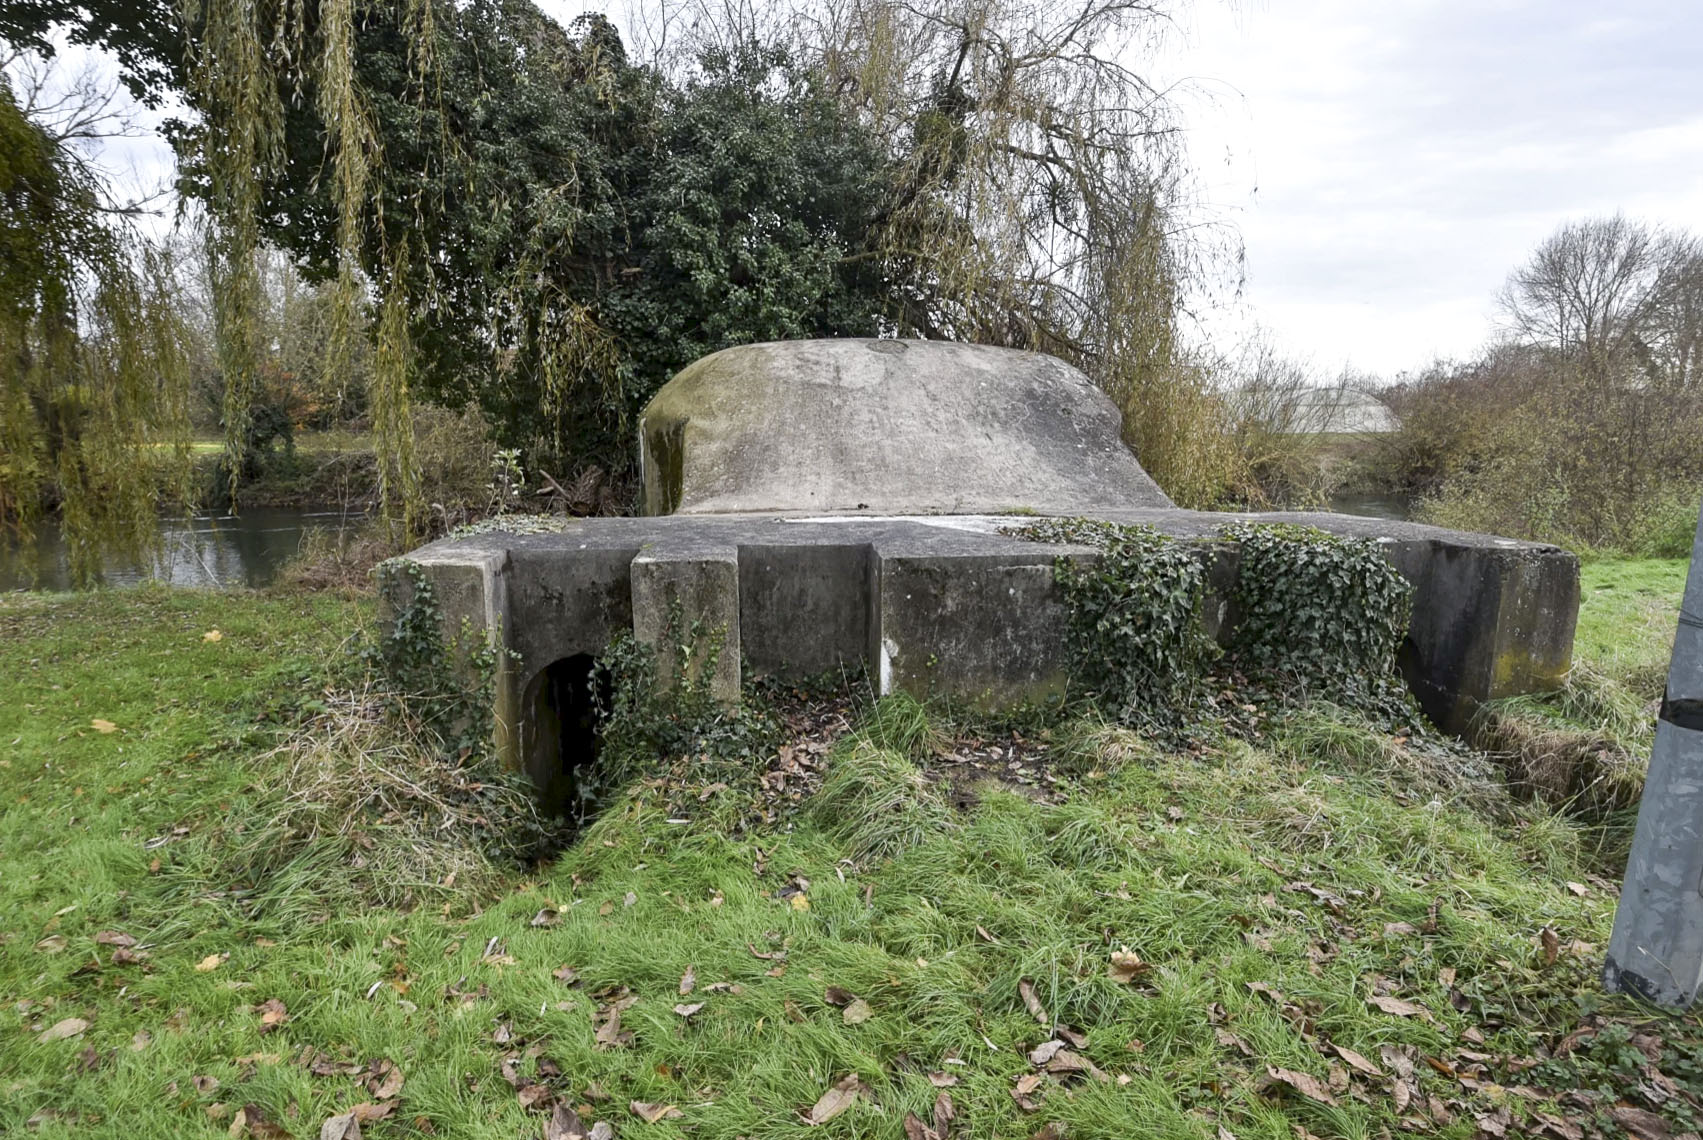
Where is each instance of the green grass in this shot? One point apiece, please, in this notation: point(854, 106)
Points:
point(1627, 614)
point(1584, 748)
point(1289, 868)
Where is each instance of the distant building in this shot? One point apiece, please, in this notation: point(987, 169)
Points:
point(1342, 411)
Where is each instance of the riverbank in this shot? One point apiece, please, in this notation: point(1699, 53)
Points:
point(1054, 927)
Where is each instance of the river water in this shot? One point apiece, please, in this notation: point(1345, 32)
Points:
point(249, 549)
point(204, 550)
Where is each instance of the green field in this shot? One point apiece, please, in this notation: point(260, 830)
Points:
point(1329, 931)
point(1626, 615)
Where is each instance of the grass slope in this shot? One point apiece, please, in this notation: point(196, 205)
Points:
point(1292, 916)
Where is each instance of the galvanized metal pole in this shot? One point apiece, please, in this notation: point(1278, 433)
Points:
point(1656, 951)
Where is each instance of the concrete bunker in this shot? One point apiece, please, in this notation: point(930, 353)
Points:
point(840, 504)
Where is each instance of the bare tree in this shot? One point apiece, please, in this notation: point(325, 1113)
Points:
point(1614, 295)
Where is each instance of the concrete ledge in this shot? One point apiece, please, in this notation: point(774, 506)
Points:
point(946, 605)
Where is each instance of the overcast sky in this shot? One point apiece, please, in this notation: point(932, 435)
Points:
point(1388, 162)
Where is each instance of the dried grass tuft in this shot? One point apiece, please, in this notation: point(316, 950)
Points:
point(365, 790)
point(1583, 748)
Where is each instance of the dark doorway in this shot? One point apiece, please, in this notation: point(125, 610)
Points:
point(563, 717)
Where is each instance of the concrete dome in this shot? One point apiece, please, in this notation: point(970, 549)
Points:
point(886, 427)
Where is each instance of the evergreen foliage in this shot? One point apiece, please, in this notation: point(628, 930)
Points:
point(1318, 612)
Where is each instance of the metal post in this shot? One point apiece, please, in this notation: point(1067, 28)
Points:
point(1656, 951)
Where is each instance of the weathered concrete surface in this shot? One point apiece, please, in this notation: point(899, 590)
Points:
point(885, 426)
point(946, 605)
point(686, 599)
point(1656, 951)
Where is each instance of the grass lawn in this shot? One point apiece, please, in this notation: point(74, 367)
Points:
point(1305, 935)
point(1627, 616)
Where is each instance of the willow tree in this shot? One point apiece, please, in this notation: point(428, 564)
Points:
point(546, 227)
point(93, 383)
point(1042, 196)
point(247, 67)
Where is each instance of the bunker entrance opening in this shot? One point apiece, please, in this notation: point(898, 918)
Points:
point(563, 732)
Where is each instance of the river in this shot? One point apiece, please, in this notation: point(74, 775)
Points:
point(204, 550)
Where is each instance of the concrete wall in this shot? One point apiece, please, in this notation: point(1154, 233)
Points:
point(947, 606)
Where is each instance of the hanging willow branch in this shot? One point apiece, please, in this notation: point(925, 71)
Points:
point(94, 385)
point(393, 428)
point(232, 80)
point(246, 57)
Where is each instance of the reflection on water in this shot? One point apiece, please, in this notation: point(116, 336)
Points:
point(1373, 506)
point(207, 550)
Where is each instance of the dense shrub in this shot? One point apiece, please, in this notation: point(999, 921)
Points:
point(1529, 444)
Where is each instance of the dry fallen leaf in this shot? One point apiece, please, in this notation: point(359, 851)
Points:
point(345, 1127)
point(564, 1124)
point(688, 981)
point(944, 1112)
point(1357, 1061)
point(1551, 943)
point(915, 1129)
point(685, 1010)
point(100, 725)
point(204, 1085)
point(1064, 1063)
point(210, 962)
point(857, 1012)
point(60, 1030)
point(1126, 966)
point(115, 938)
point(836, 1100)
point(272, 1014)
point(251, 1121)
point(942, 1080)
point(1026, 989)
point(651, 1113)
point(212, 635)
point(384, 1079)
point(838, 995)
point(1230, 1041)
point(1640, 1124)
point(1399, 1007)
point(1026, 1084)
point(52, 944)
point(1303, 1083)
point(1043, 1052)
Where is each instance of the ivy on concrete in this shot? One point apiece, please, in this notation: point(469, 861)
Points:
point(1136, 641)
point(449, 686)
point(1318, 614)
point(661, 706)
point(1317, 617)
